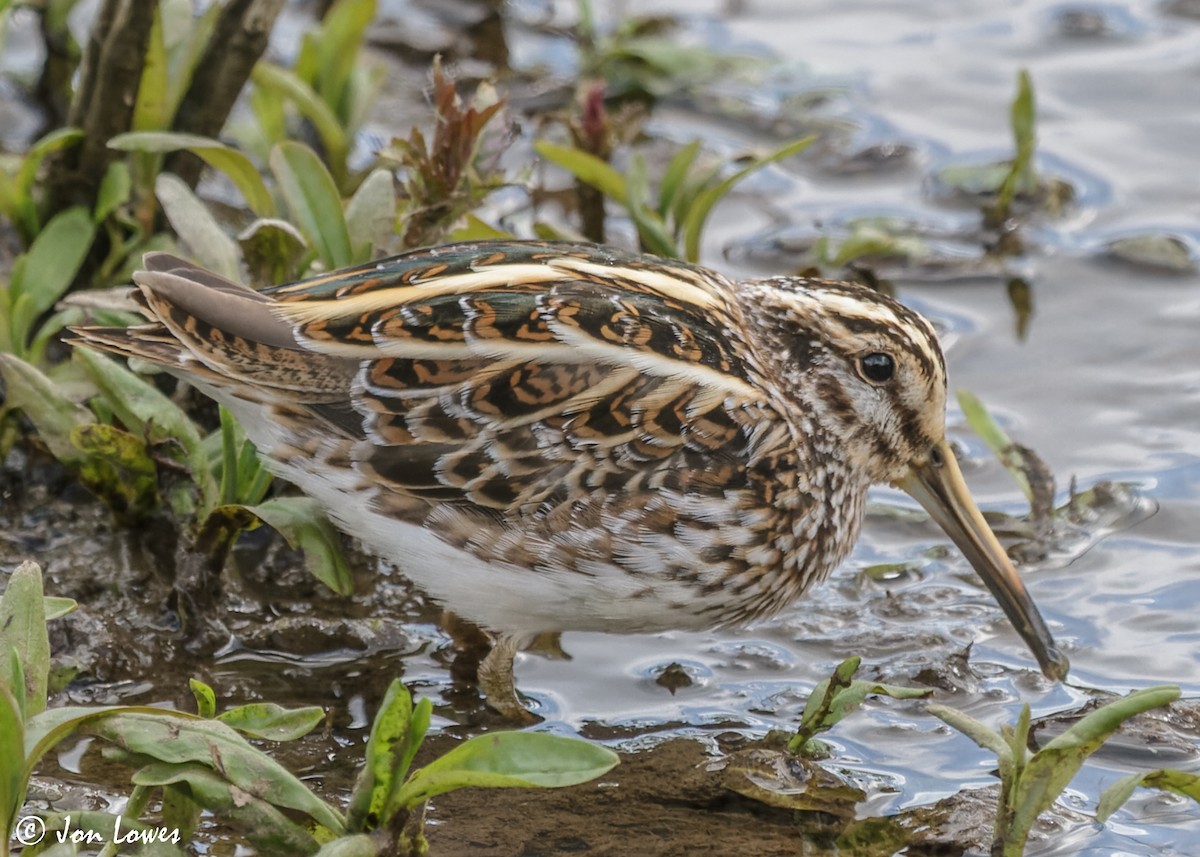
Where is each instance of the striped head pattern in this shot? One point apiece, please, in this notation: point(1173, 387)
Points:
point(857, 364)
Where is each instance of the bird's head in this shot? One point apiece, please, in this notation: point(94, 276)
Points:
point(870, 376)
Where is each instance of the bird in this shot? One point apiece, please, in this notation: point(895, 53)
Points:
point(555, 436)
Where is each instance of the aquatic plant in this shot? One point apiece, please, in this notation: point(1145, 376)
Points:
point(204, 762)
point(389, 797)
point(673, 224)
point(142, 454)
point(331, 85)
point(39, 277)
point(1031, 781)
point(448, 173)
point(791, 777)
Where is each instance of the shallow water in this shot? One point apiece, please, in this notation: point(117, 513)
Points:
point(1104, 385)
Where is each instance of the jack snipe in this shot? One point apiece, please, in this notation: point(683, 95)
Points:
point(551, 437)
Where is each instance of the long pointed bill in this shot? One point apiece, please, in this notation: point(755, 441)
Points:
point(943, 493)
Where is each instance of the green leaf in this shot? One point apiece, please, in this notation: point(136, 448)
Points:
point(51, 412)
point(1090, 732)
point(475, 229)
point(697, 216)
point(206, 698)
point(117, 466)
point(46, 730)
point(196, 226)
point(313, 201)
point(1180, 782)
point(386, 748)
point(187, 36)
point(151, 107)
point(675, 177)
point(388, 731)
point(52, 262)
point(509, 760)
point(273, 722)
point(304, 525)
point(337, 51)
point(1023, 117)
point(418, 726)
point(14, 678)
point(284, 83)
point(371, 214)
point(253, 478)
point(996, 439)
point(816, 709)
point(216, 154)
point(57, 607)
point(12, 753)
point(166, 737)
point(984, 736)
point(139, 405)
point(1114, 797)
point(115, 190)
point(229, 457)
point(267, 829)
point(55, 141)
point(1156, 250)
point(873, 237)
point(1053, 766)
point(274, 250)
point(23, 627)
point(835, 697)
point(852, 697)
point(360, 845)
point(586, 167)
point(180, 812)
point(652, 232)
point(1020, 176)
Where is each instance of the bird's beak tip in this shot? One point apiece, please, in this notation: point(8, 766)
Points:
point(937, 484)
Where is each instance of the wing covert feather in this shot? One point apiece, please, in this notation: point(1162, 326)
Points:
point(520, 375)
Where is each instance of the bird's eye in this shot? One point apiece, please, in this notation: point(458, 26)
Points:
point(877, 367)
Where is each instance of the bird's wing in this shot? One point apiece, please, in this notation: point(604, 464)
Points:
point(503, 375)
point(514, 374)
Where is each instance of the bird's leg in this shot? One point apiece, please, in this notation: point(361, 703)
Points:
point(496, 680)
point(471, 645)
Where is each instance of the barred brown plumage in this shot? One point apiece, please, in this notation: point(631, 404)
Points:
point(552, 436)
